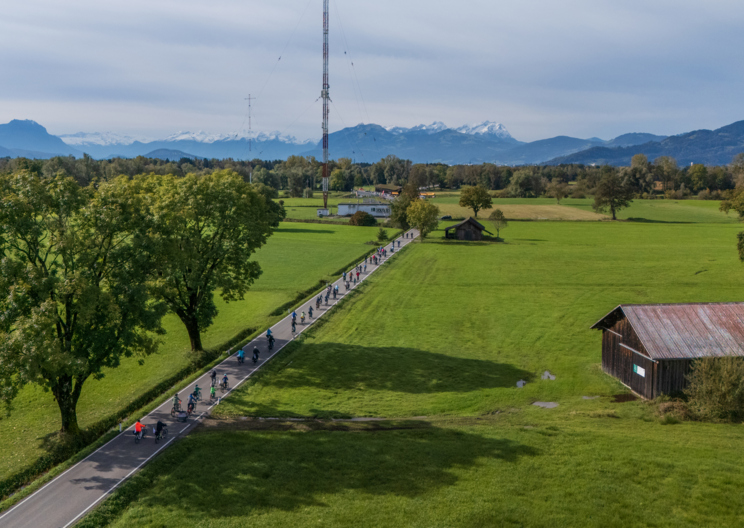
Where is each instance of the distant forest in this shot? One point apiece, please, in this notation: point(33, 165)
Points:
point(298, 176)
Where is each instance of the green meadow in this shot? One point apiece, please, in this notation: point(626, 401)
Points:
point(296, 257)
point(431, 349)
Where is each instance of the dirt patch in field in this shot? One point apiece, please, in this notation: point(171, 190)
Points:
point(622, 398)
point(525, 212)
point(260, 424)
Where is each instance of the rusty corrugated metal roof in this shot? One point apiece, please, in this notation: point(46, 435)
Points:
point(686, 331)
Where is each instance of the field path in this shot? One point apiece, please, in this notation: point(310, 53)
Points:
point(67, 498)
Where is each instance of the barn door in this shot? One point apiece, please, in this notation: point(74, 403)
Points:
point(468, 235)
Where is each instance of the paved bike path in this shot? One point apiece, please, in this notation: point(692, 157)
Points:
point(68, 497)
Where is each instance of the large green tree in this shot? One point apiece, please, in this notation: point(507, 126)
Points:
point(424, 216)
point(475, 198)
point(72, 285)
point(205, 230)
point(399, 207)
point(612, 193)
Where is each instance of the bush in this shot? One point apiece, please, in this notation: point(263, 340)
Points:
point(307, 193)
point(382, 235)
point(360, 218)
point(715, 389)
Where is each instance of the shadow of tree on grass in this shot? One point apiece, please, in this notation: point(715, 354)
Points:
point(250, 473)
point(408, 370)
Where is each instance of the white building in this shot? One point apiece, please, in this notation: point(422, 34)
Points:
point(375, 209)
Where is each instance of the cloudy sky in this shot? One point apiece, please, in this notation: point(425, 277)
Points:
point(149, 68)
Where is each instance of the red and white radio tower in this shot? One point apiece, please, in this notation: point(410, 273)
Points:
point(326, 98)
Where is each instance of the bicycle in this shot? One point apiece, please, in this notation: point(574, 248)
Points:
point(190, 408)
point(161, 435)
point(176, 408)
point(139, 436)
point(241, 360)
point(223, 385)
point(197, 394)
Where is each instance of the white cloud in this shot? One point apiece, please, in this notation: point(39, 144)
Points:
point(578, 67)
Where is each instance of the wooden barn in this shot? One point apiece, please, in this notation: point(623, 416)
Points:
point(651, 348)
point(469, 229)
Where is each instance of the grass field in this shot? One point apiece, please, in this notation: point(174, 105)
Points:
point(536, 471)
point(296, 257)
point(671, 211)
point(445, 333)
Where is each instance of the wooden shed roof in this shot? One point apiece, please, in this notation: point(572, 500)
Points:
point(470, 220)
point(684, 331)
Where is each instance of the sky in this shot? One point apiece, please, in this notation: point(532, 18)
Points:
point(583, 68)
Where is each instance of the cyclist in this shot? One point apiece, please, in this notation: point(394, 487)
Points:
point(197, 392)
point(159, 429)
point(213, 375)
point(294, 317)
point(344, 275)
point(302, 318)
point(268, 333)
point(255, 354)
point(176, 403)
point(294, 324)
point(139, 429)
point(224, 381)
point(241, 356)
point(192, 403)
point(310, 312)
point(271, 342)
point(212, 393)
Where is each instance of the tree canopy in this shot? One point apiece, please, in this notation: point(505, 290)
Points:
point(499, 221)
point(612, 194)
point(72, 286)
point(475, 198)
point(424, 216)
point(205, 229)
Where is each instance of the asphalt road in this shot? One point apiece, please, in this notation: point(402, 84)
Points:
point(66, 499)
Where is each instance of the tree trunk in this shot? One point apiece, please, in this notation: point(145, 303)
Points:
point(613, 213)
point(67, 398)
point(192, 327)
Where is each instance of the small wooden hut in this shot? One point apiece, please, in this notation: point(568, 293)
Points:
point(651, 348)
point(469, 229)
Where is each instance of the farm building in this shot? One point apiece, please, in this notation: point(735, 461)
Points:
point(651, 348)
point(469, 229)
point(390, 189)
point(375, 209)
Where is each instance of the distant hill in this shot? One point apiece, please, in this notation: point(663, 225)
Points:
point(30, 136)
point(546, 149)
point(169, 154)
point(710, 147)
point(477, 143)
point(634, 138)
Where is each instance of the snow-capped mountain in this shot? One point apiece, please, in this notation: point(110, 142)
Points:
point(436, 126)
point(200, 137)
point(98, 138)
point(486, 128)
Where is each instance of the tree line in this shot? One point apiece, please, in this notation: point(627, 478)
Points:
point(88, 271)
point(301, 176)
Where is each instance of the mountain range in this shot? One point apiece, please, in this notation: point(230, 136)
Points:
point(478, 143)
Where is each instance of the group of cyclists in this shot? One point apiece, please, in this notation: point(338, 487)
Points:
point(348, 277)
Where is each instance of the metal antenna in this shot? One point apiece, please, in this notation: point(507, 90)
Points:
point(324, 95)
point(250, 134)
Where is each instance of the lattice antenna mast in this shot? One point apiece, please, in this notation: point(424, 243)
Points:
point(250, 131)
point(326, 98)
